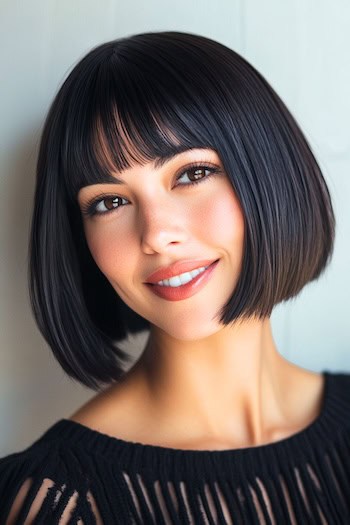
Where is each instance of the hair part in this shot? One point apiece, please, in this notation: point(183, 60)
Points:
point(147, 97)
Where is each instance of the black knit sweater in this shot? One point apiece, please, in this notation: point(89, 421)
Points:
point(75, 475)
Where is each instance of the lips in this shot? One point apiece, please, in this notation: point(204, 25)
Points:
point(183, 291)
point(176, 269)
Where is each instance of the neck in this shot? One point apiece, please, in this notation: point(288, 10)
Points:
point(229, 387)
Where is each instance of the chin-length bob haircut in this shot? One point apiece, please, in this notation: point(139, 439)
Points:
point(146, 97)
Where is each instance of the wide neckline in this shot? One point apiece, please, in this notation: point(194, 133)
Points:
point(325, 432)
point(108, 441)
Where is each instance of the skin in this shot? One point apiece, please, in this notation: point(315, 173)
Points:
point(198, 384)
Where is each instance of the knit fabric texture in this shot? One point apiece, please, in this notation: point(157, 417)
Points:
point(76, 475)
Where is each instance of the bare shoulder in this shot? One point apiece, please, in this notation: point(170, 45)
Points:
point(115, 411)
point(306, 394)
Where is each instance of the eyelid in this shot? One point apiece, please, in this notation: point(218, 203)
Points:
point(206, 166)
point(196, 164)
point(86, 208)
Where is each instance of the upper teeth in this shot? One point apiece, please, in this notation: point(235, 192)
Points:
point(183, 278)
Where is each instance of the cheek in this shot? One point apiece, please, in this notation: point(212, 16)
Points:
point(215, 220)
point(220, 217)
point(108, 252)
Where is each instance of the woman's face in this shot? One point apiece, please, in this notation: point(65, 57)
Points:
point(153, 217)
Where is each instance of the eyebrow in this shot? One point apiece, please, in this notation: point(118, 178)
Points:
point(159, 162)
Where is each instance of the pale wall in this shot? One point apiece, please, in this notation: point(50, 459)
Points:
point(303, 50)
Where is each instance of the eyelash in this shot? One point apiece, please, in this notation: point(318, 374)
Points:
point(89, 208)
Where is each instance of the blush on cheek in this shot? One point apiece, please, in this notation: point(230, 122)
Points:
point(110, 254)
point(220, 217)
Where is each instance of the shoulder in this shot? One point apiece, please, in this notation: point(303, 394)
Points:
point(339, 385)
point(335, 416)
point(45, 482)
point(122, 411)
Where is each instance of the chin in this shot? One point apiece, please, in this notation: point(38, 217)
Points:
point(191, 331)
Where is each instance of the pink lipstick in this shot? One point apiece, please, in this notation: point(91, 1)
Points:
point(184, 291)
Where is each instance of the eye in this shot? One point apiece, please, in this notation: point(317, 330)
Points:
point(105, 203)
point(196, 174)
point(109, 203)
point(101, 206)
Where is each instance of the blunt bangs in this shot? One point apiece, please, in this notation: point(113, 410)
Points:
point(130, 105)
point(145, 98)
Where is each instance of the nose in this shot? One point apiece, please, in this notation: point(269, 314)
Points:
point(162, 226)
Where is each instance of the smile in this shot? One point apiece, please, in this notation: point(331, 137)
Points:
point(184, 285)
point(183, 278)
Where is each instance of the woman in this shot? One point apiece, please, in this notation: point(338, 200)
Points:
point(176, 193)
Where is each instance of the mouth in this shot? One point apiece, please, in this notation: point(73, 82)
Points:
point(176, 269)
point(182, 278)
point(184, 285)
